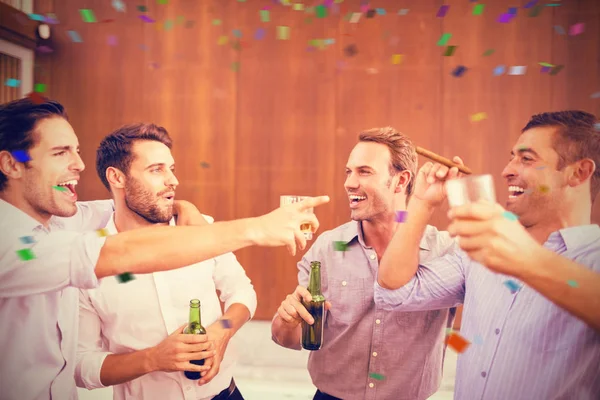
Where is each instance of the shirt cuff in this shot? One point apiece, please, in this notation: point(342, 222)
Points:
point(87, 371)
point(247, 299)
point(390, 299)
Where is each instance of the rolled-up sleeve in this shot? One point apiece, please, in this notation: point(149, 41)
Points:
point(53, 262)
point(439, 283)
point(90, 349)
point(231, 280)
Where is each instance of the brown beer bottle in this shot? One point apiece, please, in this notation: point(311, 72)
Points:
point(312, 335)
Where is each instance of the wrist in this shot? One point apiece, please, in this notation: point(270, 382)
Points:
point(533, 264)
point(149, 360)
point(251, 231)
point(420, 206)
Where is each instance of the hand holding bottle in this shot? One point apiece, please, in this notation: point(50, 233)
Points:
point(219, 337)
point(292, 311)
point(175, 352)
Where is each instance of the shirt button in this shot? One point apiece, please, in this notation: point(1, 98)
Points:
point(373, 256)
point(188, 388)
point(374, 354)
point(371, 385)
point(497, 331)
point(344, 283)
point(483, 374)
point(377, 321)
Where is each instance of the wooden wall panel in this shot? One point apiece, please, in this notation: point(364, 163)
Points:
point(258, 117)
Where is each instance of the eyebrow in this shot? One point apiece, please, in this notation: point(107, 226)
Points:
point(361, 167)
point(55, 148)
point(158, 165)
point(522, 150)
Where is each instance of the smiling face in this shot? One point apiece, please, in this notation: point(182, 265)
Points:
point(369, 185)
point(55, 161)
point(537, 190)
point(150, 183)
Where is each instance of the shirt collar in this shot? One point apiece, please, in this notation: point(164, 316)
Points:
point(575, 236)
point(355, 230)
point(18, 218)
point(111, 228)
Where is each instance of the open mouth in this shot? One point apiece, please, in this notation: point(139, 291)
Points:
point(515, 191)
point(70, 185)
point(169, 196)
point(356, 199)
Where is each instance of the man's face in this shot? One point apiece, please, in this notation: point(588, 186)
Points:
point(368, 181)
point(54, 161)
point(150, 183)
point(536, 187)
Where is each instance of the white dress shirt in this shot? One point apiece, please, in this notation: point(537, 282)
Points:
point(119, 318)
point(38, 299)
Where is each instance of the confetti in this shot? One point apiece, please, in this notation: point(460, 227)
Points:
point(44, 49)
point(142, 8)
point(397, 59)
point(103, 232)
point(20, 155)
point(559, 29)
point(87, 15)
point(544, 189)
point(512, 10)
point(380, 11)
point(204, 164)
point(39, 88)
point(478, 117)
point(25, 254)
point(458, 343)
point(401, 216)
point(375, 376)
point(146, 18)
point(488, 52)
point(11, 82)
point(478, 9)
point(459, 71)
point(60, 188)
point(265, 15)
point(298, 7)
point(118, 5)
point(162, 1)
point(237, 33)
point(36, 17)
point(530, 4)
point(125, 277)
point(112, 40)
point(449, 331)
point(223, 39)
point(450, 51)
point(403, 11)
point(517, 70)
point(442, 11)
point(505, 18)
point(340, 246)
point(355, 17)
point(259, 34)
point(27, 239)
point(371, 13)
point(321, 11)
point(350, 50)
point(283, 32)
point(444, 39)
point(510, 216)
point(572, 283)
point(512, 285)
point(216, 22)
point(225, 323)
point(576, 29)
point(556, 69)
point(478, 339)
point(36, 98)
point(75, 36)
point(168, 25)
point(535, 11)
point(595, 95)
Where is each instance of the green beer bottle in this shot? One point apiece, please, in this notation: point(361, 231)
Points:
point(312, 335)
point(194, 327)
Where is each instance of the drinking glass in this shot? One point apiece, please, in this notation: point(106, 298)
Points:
point(470, 190)
point(290, 199)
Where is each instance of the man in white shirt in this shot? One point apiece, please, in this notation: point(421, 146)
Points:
point(41, 267)
point(131, 335)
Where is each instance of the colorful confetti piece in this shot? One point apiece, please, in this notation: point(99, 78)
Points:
point(39, 88)
point(142, 8)
point(371, 13)
point(478, 117)
point(321, 11)
point(283, 32)
point(517, 70)
point(478, 339)
point(530, 4)
point(397, 59)
point(355, 17)
point(265, 16)
point(102, 232)
point(87, 15)
point(449, 51)
point(112, 40)
point(146, 18)
point(544, 189)
point(458, 343)
point(217, 22)
point(478, 9)
point(505, 18)
point(350, 50)
point(36, 98)
point(340, 246)
point(60, 188)
point(512, 285)
point(204, 164)
point(75, 38)
point(26, 254)
point(572, 283)
point(559, 29)
point(459, 71)
point(576, 29)
point(125, 277)
point(512, 10)
point(535, 11)
point(403, 11)
point(225, 323)
point(401, 216)
point(27, 239)
point(11, 82)
point(444, 39)
point(375, 376)
point(20, 155)
point(443, 11)
point(488, 52)
point(118, 5)
point(223, 39)
point(556, 69)
point(259, 34)
point(36, 17)
point(510, 216)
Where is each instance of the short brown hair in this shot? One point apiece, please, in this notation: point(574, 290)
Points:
point(115, 149)
point(18, 121)
point(577, 137)
point(403, 155)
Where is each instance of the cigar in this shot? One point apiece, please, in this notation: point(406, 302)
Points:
point(442, 160)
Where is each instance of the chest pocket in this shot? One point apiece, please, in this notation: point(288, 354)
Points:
point(349, 299)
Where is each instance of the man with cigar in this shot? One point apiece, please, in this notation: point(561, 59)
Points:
point(143, 354)
point(368, 352)
point(40, 267)
point(530, 292)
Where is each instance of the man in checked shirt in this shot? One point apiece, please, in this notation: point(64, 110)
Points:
point(363, 342)
point(541, 341)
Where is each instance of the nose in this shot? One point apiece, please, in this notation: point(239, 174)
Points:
point(510, 170)
point(171, 180)
point(351, 181)
point(77, 163)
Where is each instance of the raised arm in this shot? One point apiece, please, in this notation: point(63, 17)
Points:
point(504, 246)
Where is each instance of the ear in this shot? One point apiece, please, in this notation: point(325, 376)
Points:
point(115, 177)
point(583, 170)
point(9, 166)
point(403, 179)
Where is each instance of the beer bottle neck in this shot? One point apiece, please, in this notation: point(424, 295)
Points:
point(195, 314)
point(314, 284)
